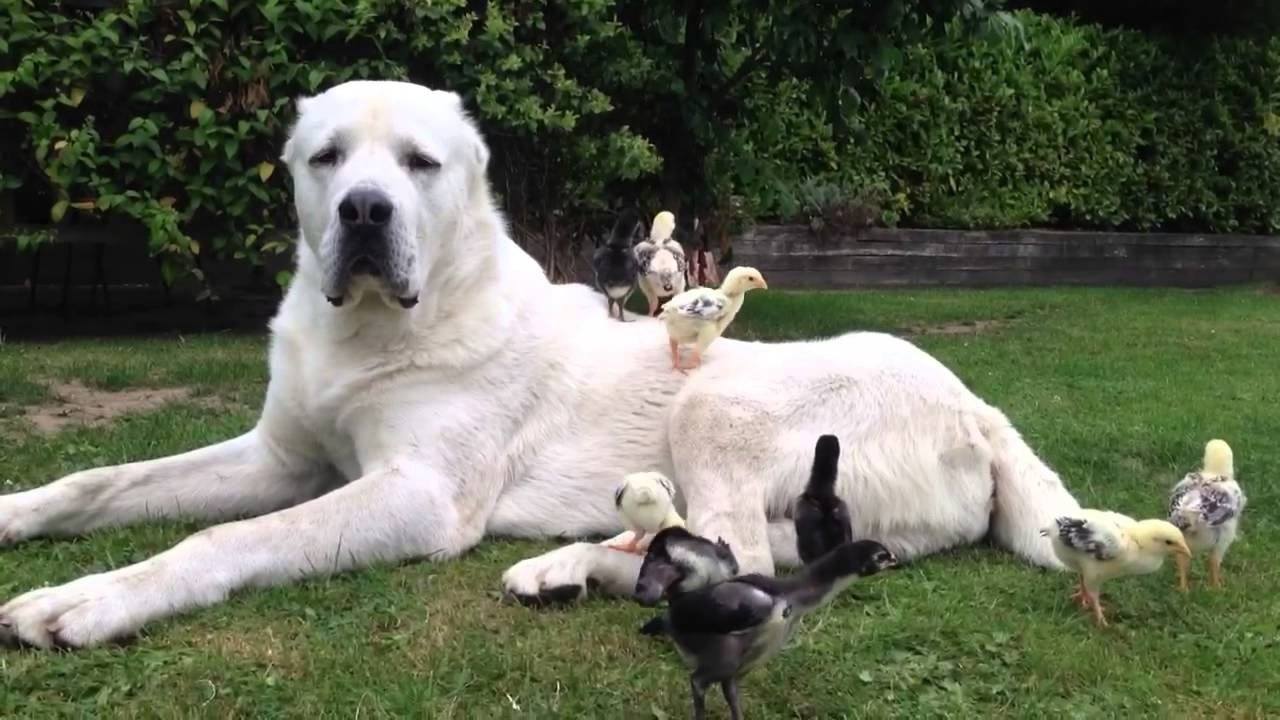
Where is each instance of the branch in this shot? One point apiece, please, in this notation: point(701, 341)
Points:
point(692, 44)
point(742, 73)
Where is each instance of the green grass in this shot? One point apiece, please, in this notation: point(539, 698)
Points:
point(1117, 389)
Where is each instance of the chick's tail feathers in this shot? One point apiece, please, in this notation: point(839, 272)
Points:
point(826, 460)
point(1028, 494)
point(1218, 459)
point(664, 223)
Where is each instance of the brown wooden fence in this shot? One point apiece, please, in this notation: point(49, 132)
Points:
point(792, 256)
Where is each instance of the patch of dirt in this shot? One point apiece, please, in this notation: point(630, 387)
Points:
point(78, 404)
point(967, 327)
point(261, 649)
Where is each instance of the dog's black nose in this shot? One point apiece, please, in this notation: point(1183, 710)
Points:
point(365, 207)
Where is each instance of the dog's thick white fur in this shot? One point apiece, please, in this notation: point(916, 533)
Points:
point(502, 404)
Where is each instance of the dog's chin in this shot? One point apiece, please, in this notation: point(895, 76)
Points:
point(365, 279)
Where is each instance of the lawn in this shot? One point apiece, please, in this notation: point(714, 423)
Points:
point(1117, 389)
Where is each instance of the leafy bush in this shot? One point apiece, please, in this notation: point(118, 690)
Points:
point(1192, 19)
point(1068, 125)
point(172, 114)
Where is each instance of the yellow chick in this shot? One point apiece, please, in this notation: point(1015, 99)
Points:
point(646, 502)
point(1207, 506)
point(700, 315)
point(1101, 545)
point(664, 224)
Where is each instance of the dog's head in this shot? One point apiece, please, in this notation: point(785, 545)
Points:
point(384, 174)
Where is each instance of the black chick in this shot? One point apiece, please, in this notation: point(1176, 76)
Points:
point(822, 518)
point(678, 562)
point(616, 270)
point(728, 629)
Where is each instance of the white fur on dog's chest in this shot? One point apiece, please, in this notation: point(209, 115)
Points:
point(365, 416)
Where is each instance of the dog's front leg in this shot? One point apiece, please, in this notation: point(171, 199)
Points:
point(724, 504)
point(236, 478)
point(384, 517)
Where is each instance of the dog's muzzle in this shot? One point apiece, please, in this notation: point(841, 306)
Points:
point(364, 246)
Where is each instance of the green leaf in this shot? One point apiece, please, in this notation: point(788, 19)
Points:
point(58, 210)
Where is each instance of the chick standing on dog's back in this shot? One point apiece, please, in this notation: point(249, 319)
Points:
point(662, 261)
point(615, 265)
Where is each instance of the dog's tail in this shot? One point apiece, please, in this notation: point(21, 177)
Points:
point(1028, 494)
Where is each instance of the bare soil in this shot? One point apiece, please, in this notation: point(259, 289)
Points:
point(78, 404)
point(967, 327)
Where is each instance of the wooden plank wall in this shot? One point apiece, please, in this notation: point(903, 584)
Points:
point(791, 256)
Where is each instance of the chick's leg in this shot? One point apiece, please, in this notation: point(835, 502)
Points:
point(1081, 595)
point(1215, 570)
point(632, 546)
point(699, 691)
point(1183, 564)
point(1096, 603)
point(706, 336)
point(730, 688)
point(675, 355)
point(622, 306)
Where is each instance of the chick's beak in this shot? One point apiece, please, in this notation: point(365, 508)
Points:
point(1183, 551)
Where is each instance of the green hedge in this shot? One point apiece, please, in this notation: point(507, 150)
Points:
point(1065, 125)
point(173, 114)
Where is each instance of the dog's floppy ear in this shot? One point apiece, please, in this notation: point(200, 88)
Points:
point(479, 149)
point(481, 152)
point(301, 103)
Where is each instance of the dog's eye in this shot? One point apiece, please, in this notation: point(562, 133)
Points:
point(326, 157)
point(420, 161)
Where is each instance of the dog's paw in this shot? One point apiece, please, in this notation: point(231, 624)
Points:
point(82, 613)
point(566, 574)
point(15, 520)
point(554, 578)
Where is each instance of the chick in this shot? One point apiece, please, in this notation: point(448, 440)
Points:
point(678, 562)
point(724, 631)
point(821, 517)
point(616, 270)
point(646, 501)
point(1206, 506)
point(663, 266)
point(700, 315)
point(1101, 545)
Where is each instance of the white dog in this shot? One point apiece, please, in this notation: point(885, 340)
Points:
point(429, 386)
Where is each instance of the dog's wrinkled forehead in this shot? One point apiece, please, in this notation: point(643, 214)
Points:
point(396, 115)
